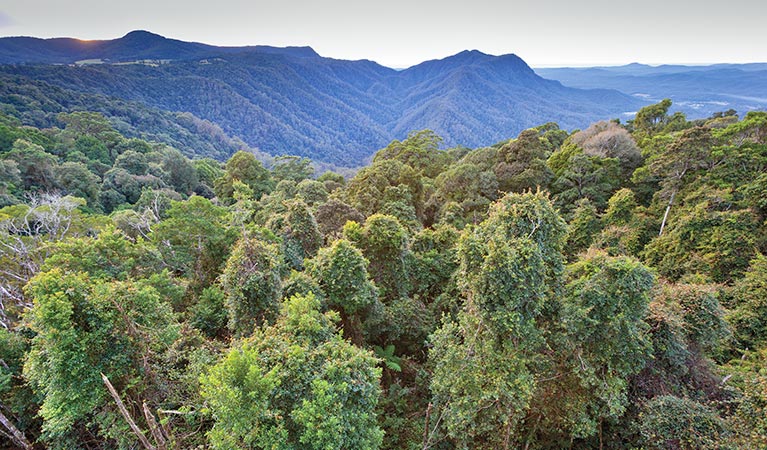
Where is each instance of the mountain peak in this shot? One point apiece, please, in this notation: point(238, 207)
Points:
point(469, 56)
point(472, 53)
point(514, 62)
point(142, 34)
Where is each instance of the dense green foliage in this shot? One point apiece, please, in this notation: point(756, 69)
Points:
point(296, 384)
point(597, 289)
point(39, 104)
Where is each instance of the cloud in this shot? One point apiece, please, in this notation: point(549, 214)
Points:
point(6, 20)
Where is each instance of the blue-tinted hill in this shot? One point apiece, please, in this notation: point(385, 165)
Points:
point(698, 91)
point(136, 45)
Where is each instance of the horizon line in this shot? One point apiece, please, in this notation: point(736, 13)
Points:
point(400, 66)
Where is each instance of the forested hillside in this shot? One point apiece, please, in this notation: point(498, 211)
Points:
point(39, 104)
point(597, 289)
point(292, 101)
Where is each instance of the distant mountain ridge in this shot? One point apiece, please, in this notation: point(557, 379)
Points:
point(136, 45)
point(698, 91)
point(293, 101)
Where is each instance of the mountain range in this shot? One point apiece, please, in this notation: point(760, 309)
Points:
point(293, 101)
point(698, 91)
point(134, 46)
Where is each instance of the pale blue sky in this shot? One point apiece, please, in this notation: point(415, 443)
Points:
point(400, 33)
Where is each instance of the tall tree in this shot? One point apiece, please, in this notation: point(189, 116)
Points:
point(483, 380)
point(195, 240)
point(251, 282)
point(243, 166)
point(341, 272)
point(295, 384)
point(84, 328)
point(690, 151)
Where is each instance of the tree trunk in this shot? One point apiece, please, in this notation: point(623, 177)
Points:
point(601, 444)
point(426, 426)
point(18, 437)
point(124, 411)
point(665, 215)
point(157, 433)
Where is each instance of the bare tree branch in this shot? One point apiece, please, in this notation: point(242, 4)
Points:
point(16, 435)
point(124, 411)
point(157, 433)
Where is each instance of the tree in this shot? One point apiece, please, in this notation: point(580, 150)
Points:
point(589, 177)
point(10, 182)
point(341, 272)
point(295, 384)
point(35, 166)
point(466, 186)
point(522, 163)
point(133, 145)
point(420, 151)
point(300, 283)
point(243, 166)
point(708, 238)
point(366, 191)
point(384, 243)
point(701, 313)
point(182, 175)
point(89, 124)
point(749, 315)
point(582, 229)
point(75, 179)
point(208, 170)
point(108, 256)
point(749, 421)
point(26, 232)
point(18, 404)
point(652, 117)
point(434, 261)
point(157, 202)
point(605, 303)
point(529, 215)
point(627, 226)
point(128, 186)
point(610, 140)
point(210, 314)
point(332, 181)
point(620, 208)
point(480, 387)
point(672, 422)
point(292, 168)
point(195, 240)
point(312, 192)
point(510, 266)
point(84, 328)
point(333, 215)
point(690, 151)
point(251, 283)
point(93, 149)
point(301, 237)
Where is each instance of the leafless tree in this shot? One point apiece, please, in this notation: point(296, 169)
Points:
point(24, 243)
point(609, 140)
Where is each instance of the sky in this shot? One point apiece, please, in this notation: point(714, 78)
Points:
point(401, 33)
